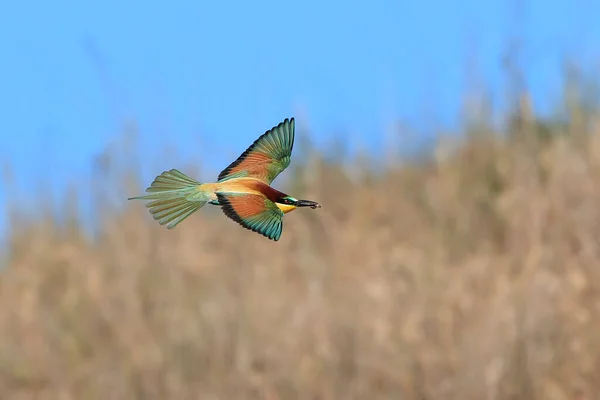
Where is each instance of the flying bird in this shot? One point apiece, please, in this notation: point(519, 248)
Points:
point(243, 189)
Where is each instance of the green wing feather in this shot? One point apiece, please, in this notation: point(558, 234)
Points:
point(267, 157)
point(253, 212)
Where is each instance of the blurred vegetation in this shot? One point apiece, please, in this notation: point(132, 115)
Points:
point(472, 273)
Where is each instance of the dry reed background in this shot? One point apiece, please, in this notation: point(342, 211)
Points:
point(472, 275)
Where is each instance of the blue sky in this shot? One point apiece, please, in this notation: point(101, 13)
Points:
point(205, 78)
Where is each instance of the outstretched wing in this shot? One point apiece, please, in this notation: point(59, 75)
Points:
point(267, 157)
point(254, 212)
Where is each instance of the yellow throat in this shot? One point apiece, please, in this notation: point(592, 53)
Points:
point(286, 208)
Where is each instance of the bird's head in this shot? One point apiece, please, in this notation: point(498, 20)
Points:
point(288, 203)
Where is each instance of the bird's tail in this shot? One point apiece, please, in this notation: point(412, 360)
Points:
point(175, 196)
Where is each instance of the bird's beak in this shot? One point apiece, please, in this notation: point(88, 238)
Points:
point(308, 203)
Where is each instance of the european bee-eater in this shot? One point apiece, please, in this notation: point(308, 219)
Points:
point(242, 190)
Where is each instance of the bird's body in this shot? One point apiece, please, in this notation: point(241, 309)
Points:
point(243, 189)
point(250, 186)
